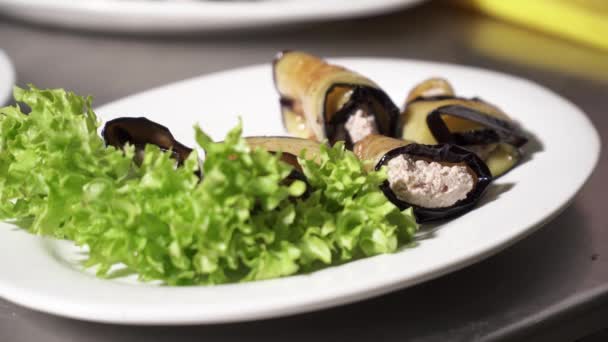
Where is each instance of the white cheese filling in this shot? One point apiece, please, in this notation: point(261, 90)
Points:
point(359, 125)
point(428, 184)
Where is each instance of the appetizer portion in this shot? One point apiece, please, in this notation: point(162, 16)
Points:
point(433, 114)
point(322, 101)
point(140, 132)
point(438, 181)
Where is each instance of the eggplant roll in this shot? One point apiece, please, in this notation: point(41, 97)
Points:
point(139, 132)
point(290, 149)
point(433, 114)
point(322, 101)
point(439, 181)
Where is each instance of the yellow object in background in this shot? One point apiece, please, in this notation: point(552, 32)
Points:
point(585, 21)
point(514, 44)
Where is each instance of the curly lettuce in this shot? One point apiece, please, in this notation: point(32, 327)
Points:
point(239, 223)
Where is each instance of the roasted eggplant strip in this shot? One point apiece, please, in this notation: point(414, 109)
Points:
point(434, 115)
point(433, 87)
point(439, 181)
point(140, 132)
point(322, 101)
point(293, 120)
point(290, 149)
point(497, 130)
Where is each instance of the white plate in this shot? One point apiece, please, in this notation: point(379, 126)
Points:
point(194, 15)
point(45, 275)
point(7, 77)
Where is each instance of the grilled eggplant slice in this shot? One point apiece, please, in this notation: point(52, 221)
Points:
point(139, 132)
point(439, 181)
point(434, 115)
point(433, 87)
point(290, 149)
point(322, 101)
point(293, 119)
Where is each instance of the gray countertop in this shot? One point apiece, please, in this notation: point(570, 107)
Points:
point(551, 286)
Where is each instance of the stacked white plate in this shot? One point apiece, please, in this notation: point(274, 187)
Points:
point(7, 77)
point(193, 15)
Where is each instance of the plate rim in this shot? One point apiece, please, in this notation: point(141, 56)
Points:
point(7, 68)
point(385, 287)
point(193, 16)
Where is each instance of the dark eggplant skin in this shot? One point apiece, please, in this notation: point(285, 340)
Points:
point(140, 132)
point(362, 96)
point(441, 153)
point(497, 130)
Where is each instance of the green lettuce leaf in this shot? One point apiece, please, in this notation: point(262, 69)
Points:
point(240, 223)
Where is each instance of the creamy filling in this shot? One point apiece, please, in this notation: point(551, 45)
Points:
point(428, 184)
point(360, 125)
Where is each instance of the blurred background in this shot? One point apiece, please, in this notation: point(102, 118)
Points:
point(114, 48)
point(132, 45)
